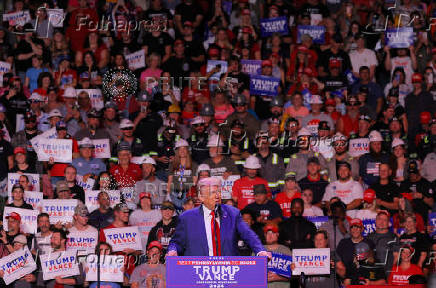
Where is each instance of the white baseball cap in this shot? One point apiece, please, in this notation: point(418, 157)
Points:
point(126, 123)
point(197, 120)
point(148, 160)
point(36, 97)
point(86, 143)
point(375, 136)
point(339, 137)
point(304, 132)
point(70, 92)
point(181, 143)
point(215, 141)
point(55, 113)
point(397, 142)
point(316, 99)
point(252, 162)
point(203, 167)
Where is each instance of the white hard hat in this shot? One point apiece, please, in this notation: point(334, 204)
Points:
point(70, 92)
point(148, 160)
point(215, 141)
point(375, 136)
point(126, 123)
point(203, 167)
point(86, 143)
point(181, 143)
point(304, 132)
point(339, 137)
point(252, 162)
point(397, 142)
point(55, 113)
point(316, 99)
point(197, 120)
point(36, 97)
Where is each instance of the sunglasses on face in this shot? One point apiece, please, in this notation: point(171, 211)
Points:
point(198, 125)
point(240, 105)
point(30, 121)
point(127, 129)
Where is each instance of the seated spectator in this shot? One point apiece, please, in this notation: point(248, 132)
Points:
point(164, 229)
point(405, 269)
point(18, 198)
point(290, 192)
point(309, 209)
point(152, 272)
point(103, 216)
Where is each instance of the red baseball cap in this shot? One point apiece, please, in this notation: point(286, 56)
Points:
point(274, 7)
point(384, 212)
point(308, 71)
point(334, 63)
point(330, 102)
point(154, 244)
point(408, 246)
point(369, 195)
point(356, 222)
point(266, 63)
point(178, 42)
point(416, 78)
point(18, 150)
point(302, 49)
point(275, 55)
point(425, 117)
point(188, 23)
point(271, 227)
point(14, 215)
point(246, 12)
point(246, 29)
point(144, 194)
point(214, 52)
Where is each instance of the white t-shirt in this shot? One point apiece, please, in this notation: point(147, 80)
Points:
point(42, 244)
point(313, 211)
point(89, 229)
point(346, 191)
point(365, 58)
point(145, 222)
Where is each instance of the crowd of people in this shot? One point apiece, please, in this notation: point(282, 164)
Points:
point(350, 132)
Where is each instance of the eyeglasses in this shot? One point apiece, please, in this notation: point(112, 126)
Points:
point(127, 129)
point(198, 125)
point(166, 208)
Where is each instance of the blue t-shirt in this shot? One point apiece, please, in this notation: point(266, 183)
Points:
point(93, 166)
point(32, 74)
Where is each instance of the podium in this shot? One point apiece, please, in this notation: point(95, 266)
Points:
point(216, 272)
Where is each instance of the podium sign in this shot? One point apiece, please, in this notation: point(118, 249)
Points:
point(205, 271)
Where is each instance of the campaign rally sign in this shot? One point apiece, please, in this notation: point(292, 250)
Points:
point(92, 195)
point(358, 146)
point(280, 264)
point(227, 185)
point(129, 196)
point(17, 265)
point(251, 67)
point(88, 185)
point(28, 219)
point(264, 85)
point(102, 148)
point(316, 32)
point(4, 67)
point(311, 261)
point(61, 150)
point(17, 18)
point(211, 64)
point(95, 96)
point(56, 17)
point(59, 210)
point(14, 178)
point(402, 37)
point(270, 26)
point(136, 60)
point(110, 268)
point(368, 226)
point(123, 238)
point(63, 264)
point(30, 197)
point(317, 220)
point(432, 223)
point(206, 271)
point(82, 241)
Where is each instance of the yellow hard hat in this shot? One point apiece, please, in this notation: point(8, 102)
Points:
point(174, 109)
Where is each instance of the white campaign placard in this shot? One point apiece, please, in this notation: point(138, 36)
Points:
point(17, 265)
point(56, 17)
point(60, 149)
point(28, 219)
point(82, 241)
point(227, 185)
point(59, 210)
point(62, 264)
point(311, 261)
point(4, 67)
point(136, 60)
point(123, 238)
point(92, 195)
point(211, 64)
point(30, 197)
point(17, 18)
point(95, 96)
point(88, 185)
point(358, 146)
point(102, 148)
point(14, 178)
point(110, 268)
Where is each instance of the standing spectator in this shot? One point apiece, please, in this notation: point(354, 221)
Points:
point(314, 181)
point(126, 174)
point(268, 210)
point(363, 57)
point(309, 209)
point(150, 183)
point(401, 273)
point(164, 229)
point(18, 198)
point(103, 216)
point(41, 243)
point(417, 240)
point(291, 191)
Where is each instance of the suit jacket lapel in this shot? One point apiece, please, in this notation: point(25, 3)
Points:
point(202, 231)
point(224, 228)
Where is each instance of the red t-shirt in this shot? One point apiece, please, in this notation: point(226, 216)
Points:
point(401, 277)
point(243, 190)
point(285, 202)
point(58, 169)
point(126, 178)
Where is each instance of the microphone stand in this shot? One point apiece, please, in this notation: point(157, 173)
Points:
point(335, 224)
point(98, 254)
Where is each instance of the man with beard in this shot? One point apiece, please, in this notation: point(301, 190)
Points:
point(93, 130)
point(276, 111)
point(241, 113)
point(41, 243)
point(340, 145)
point(238, 143)
point(273, 167)
point(150, 183)
point(110, 120)
point(198, 140)
point(126, 127)
point(297, 232)
point(369, 163)
point(22, 139)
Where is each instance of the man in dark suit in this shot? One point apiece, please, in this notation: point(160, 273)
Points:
point(212, 229)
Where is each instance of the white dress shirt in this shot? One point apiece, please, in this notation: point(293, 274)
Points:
point(207, 220)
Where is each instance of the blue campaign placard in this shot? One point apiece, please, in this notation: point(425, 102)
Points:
point(318, 220)
point(264, 85)
point(220, 271)
point(402, 37)
point(269, 26)
point(432, 223)
point(280, 264)
point(316, 32)
point(368, 226)
point(251, 67)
